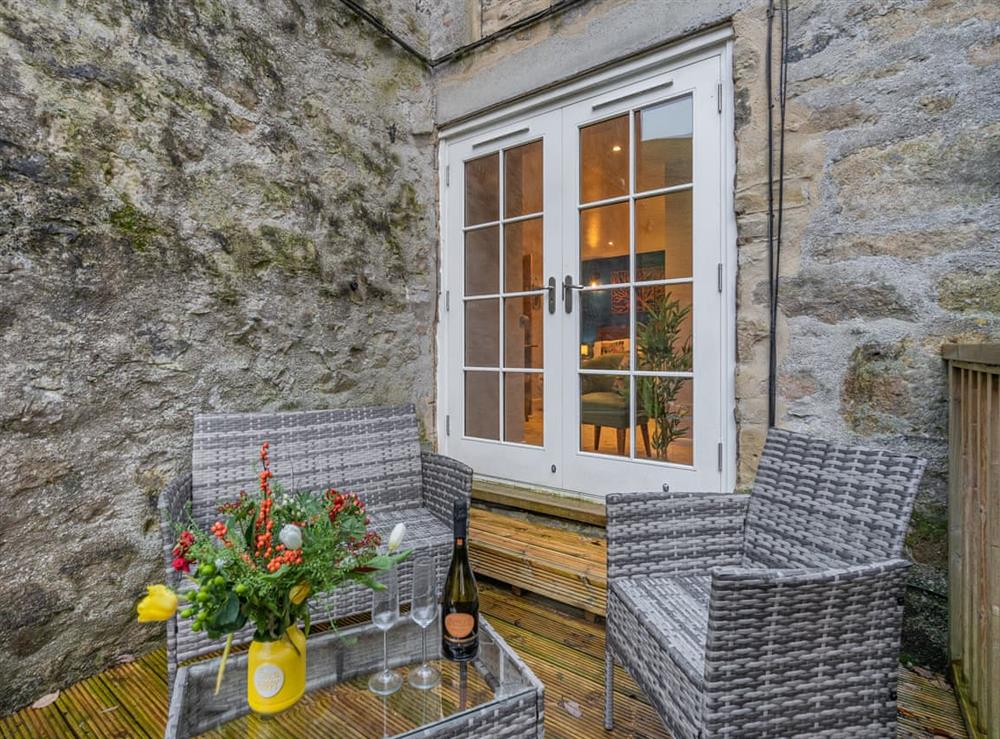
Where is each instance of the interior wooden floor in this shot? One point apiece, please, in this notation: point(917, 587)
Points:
point(562, 643)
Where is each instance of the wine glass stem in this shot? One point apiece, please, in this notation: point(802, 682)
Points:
point(385, 651)
point(423, 648)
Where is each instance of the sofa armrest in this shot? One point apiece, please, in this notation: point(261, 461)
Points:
point(829, 635)
point(673, 533)
point(445, 482)
point(173, 502)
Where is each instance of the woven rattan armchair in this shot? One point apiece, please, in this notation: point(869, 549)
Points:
point(773, 614)
point(374, 452)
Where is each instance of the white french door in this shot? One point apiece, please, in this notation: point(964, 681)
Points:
point(586, 315)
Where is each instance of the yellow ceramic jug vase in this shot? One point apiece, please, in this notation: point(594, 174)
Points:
point(276, 672)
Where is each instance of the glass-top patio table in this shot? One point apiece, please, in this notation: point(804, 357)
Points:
point(496, 695)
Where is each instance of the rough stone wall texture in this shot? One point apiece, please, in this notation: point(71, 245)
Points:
point(221, 204)
point(891, 234)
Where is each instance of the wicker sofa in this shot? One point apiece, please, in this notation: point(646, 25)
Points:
point(374, 452)
point(773, 614)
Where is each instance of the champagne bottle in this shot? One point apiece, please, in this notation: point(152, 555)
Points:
point(460, 607)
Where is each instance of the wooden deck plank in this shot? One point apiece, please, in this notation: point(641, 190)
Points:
point(582, 636)
point(558, 539)
point(544, 502)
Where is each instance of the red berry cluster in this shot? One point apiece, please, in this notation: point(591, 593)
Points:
point(220, 530)
point(370, 539)
point(338, 503)
point(264, 524)
point(284, 557)
point(182, 563)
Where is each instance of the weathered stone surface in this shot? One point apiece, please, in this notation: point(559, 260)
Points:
point(832, 297)
point(875, 392)
point(498, 14)
point(203, 206)
point(966, 291)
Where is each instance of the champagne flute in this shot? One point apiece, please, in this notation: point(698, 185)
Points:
point(385, 613)
point(423, 610)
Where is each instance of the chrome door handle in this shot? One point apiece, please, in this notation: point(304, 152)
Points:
point(552, 294)
point(568, 288)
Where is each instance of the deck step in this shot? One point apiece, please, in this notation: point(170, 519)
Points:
point(567, 506)
point(562, 565)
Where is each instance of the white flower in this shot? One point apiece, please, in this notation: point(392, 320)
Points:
point(291, 536)
point(396, 537)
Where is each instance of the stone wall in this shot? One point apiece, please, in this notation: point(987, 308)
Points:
point(891, 243)
point(221, 204)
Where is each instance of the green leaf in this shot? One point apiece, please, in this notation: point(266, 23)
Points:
point(228, 614)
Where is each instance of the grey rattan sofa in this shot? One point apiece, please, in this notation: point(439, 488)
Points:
point(374, 452)
point(773, 614)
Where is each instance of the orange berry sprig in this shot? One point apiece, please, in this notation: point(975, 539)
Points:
point(287, 557)
point(264, 524)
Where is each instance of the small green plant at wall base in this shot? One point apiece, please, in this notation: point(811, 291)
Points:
point(660, 349)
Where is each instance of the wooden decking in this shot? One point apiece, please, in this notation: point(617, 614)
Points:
point(563, 647)
point(565, 651)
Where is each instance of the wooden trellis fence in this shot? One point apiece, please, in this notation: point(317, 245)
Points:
point(974, 531)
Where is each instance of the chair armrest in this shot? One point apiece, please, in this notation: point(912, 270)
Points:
point(445, 482)
point(173, 501)
point(673, 533)
point(828, 635)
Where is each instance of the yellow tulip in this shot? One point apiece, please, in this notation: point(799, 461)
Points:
point(159, 604)
point(299, 593)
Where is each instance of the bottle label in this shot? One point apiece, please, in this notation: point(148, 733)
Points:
point(267, 680)
point(459, 625)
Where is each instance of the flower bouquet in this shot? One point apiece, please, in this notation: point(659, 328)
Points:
point(260, 563)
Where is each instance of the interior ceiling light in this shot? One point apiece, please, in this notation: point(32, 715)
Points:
point(616, 147)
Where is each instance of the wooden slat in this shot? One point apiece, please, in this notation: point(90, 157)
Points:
point(563, 565)
point(974, 532)
point(543, 502)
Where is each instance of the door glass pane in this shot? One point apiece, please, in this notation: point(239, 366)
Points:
point(604, 244)
point(665, 419)
point(523, 180)
point(522, 339)
point(482, 333)
point(482, 190)
point(663, 145)
point(663, 236)
point(663, 339)
point(482, 405)
point(523, 256)
point(523, 408)
point(604, 329)
point(482, 261)
point(604, 414)
point(604, 160)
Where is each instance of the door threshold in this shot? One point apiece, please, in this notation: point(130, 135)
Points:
point(565, 504)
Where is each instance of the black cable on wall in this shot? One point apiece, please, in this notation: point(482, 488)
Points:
point(774, 229)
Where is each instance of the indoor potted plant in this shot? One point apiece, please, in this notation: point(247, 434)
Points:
point(260, 563)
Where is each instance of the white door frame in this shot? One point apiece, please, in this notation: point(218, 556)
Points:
point(716, 43)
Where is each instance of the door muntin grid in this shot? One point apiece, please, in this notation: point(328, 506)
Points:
point(504, 296)
point(635, 261)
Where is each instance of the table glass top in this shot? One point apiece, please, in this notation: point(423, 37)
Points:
point(338, 702)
